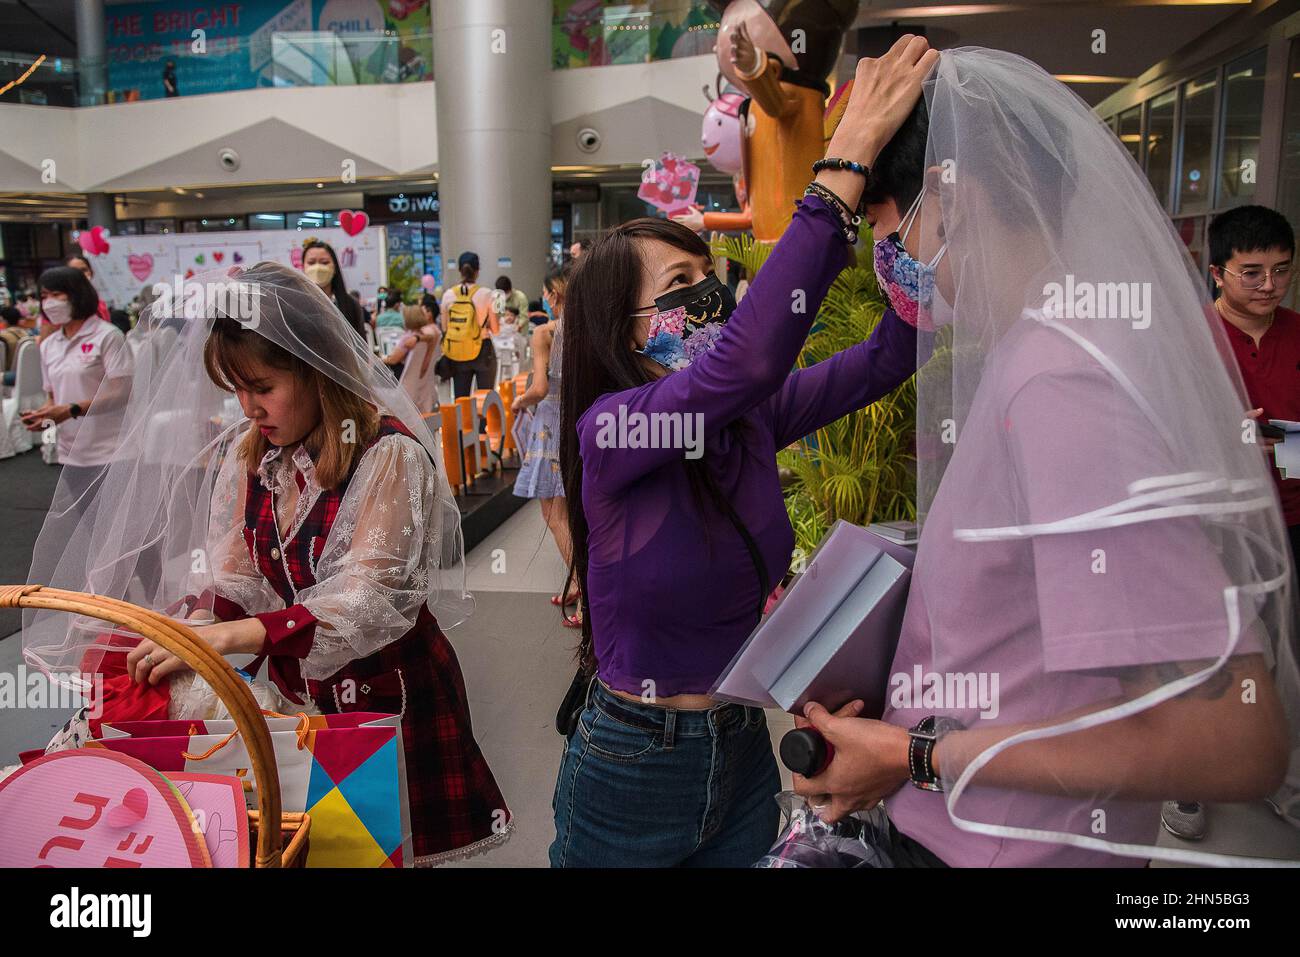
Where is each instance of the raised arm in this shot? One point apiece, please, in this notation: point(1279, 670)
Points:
point(751, 359)
point(849, 380)
point(759, 344)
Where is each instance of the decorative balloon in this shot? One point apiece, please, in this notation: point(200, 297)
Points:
point(93, 242)
point(428, 283)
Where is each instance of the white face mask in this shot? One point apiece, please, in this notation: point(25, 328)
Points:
point(57, 311)
point(320, 274)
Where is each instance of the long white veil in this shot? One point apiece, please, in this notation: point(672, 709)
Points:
point(1081, 420)
point(144, 532)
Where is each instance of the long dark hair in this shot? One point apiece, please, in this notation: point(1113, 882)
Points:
point(599, 301)
point(350, 308)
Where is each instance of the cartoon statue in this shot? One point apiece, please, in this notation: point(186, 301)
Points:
point(723, 139)
point(780, 52)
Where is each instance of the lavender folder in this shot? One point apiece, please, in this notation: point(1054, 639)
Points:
point(832, 635)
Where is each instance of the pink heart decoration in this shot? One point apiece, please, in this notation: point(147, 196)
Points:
point(218, 256)
point(93, 241)
point(86, 347)
point(353, 222)
point(134, 806)
point(295, 257)
point(141, 265)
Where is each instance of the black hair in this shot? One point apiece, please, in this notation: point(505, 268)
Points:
point(504, 284)
point(430, 302)
point(393, 298)
point(899, 170)
point(11, 315)
point(338, 291)
point(558, 278)
point(1248, 229)
point(514, 310)
point(599, 327)
point(78, 256)
point(73, 283)
point(535, 305)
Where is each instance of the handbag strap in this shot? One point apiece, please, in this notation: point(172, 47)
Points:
point(755, 556)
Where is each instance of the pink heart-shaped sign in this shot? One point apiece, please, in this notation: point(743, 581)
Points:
point(353, 222)
point(141, 265)
point(218, 256)
point(134, 806)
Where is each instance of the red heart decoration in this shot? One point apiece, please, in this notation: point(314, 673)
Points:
point(189, 273)
point(86, 347)
point(218, 256)
point(353, 222)
point(134, 806)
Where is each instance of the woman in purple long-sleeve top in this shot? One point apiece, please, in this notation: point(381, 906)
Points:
point(672, 413)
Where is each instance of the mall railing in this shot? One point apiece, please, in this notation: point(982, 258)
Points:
point(591, 33)
point(584, 33)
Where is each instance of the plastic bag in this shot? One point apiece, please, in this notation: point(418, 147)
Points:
point(859, 840)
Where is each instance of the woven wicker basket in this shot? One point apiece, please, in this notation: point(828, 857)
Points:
point(283, 846)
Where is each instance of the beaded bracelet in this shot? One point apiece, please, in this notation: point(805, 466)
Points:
point(832, 162)
point(848, 218)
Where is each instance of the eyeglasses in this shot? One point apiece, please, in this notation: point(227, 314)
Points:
point(1254, 278)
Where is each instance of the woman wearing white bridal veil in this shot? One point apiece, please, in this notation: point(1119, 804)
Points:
point(273, 476)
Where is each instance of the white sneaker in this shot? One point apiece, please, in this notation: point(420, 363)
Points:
point(1185, 819)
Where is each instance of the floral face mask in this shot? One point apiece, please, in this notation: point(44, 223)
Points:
point(685, 323)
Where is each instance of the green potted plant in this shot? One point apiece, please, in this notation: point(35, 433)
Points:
point(860, 468)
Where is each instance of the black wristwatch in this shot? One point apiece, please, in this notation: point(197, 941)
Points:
point(920, 750)
point(74, 410)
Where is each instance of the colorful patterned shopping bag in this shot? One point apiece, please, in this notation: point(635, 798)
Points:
point(349, 775)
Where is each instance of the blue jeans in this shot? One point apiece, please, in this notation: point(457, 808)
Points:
point(644, 786)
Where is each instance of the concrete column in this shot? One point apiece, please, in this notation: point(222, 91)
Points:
point(92, 70)
point(101, 211)
point(492, 66)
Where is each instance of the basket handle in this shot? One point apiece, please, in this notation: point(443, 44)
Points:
point(184, 642)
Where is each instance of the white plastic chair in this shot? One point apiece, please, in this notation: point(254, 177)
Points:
point(28, 393)
point(418, 378)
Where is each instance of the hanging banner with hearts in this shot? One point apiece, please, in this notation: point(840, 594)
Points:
point(148, 259)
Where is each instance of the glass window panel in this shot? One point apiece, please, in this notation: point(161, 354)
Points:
point(1243, 115)
point(1160, 140)
point(1129, 131)
point(1197, 142)
point(1288, 193)
point(266, 221)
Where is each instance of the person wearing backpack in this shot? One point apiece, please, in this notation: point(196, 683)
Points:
point(468, 322)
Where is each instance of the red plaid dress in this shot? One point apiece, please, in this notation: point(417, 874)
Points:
point(456, 806)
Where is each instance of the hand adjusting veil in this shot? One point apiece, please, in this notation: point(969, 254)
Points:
point(166, 521)
point(1082, 418)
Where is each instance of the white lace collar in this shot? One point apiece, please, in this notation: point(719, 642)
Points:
point(272, 468)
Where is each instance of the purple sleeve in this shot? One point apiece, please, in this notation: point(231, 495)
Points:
point(849, 380)
point(751, 359)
